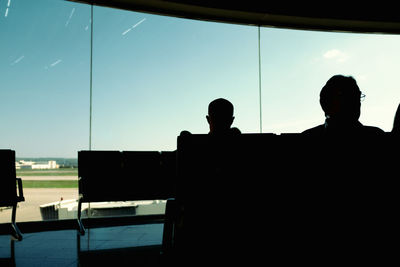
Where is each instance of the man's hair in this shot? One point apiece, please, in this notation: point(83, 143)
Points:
point(220, 107)
point(338, 85)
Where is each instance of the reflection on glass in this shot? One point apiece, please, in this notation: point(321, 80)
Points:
point(297, 64)
point(44, 62)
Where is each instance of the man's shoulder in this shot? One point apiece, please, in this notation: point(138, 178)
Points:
point(317, 130)
point(235, 131)
point(373, 130)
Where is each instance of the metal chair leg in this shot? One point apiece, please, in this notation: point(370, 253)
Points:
point(16, 232)
point(80, 224)
point(168, 233)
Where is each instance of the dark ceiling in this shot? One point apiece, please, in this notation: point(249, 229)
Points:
point(368, 17)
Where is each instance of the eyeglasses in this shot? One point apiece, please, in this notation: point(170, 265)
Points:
point(362, 97)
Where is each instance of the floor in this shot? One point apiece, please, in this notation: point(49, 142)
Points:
point(121, 245)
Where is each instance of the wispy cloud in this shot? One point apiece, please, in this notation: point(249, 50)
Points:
point(58, 61)
point(87, 26)
point(335, 54)
point(8, 7)
point(70, 16)
point(134, 26)
point(55, 63)
point(17, 60)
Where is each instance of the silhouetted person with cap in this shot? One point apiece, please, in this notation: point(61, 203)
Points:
point(396, 122)
point(340, 99)
point(220, 117)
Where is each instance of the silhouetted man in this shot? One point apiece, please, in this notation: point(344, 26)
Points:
point(220, 117)
point(396, 122)
point(340, 99)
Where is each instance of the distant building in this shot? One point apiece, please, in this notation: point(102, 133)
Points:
point(22, 164)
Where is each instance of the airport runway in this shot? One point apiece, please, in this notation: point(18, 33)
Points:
point(34, 197)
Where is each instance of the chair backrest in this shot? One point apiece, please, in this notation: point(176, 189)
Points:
point(220, 187)
point(127, 175)
point(8, 189)
point(291, 191)
point(148, 176)
point(100, 174)
point(223, 167)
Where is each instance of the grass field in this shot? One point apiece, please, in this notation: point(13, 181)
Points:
point(51, 172)
point(50, 184)
point(42, 182)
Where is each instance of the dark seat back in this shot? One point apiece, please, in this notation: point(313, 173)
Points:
point(127, 175)
point(298, 196)
point(8, 189)
point(100, 174)
point(147, 175)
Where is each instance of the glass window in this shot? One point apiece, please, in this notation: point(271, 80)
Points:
point(154, 76)
point(297, 64)
point(44, 97)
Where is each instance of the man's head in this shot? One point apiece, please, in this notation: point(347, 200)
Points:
point(220, 115)
point(340, 98)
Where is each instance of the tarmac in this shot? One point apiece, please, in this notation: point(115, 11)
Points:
point(34, 197)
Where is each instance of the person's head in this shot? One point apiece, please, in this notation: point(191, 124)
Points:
point(340, 98)
point(220, 115)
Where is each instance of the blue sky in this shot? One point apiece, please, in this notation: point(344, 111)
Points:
point(154, 76)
